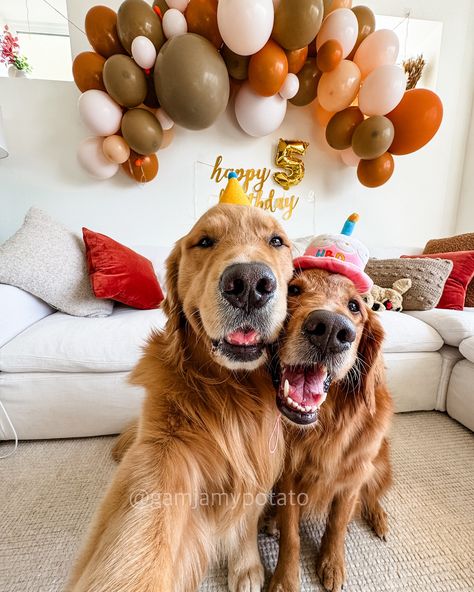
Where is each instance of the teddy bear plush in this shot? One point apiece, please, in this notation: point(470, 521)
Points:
point(388, 298)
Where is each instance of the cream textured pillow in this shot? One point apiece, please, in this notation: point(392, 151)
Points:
point(428, 277)
point(47, 260)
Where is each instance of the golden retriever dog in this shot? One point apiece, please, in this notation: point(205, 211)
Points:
point(333, 394)
point(192, 484)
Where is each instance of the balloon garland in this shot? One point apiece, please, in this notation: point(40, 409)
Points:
point(176, 62)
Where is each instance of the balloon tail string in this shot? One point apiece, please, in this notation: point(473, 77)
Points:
point(143, 177)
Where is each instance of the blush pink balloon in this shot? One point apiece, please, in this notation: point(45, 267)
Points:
point(180, 5)
point(349, 157)
point(341, 25)
point(382, 90)
point(245, 25)
point(338, 88)
point(143, 52)
point(174, 23)
point(259, 116)
point(100, 112)
point(290, 87)
point(380, 48)
point(93, 159)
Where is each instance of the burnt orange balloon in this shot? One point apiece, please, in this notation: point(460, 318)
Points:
point(101, 30)
point(296, 59)
point(342, 126)
point(416, 120)
point(268, 69)
point(374, 173)
point(87, 69)
point(329, 55)
point(142, 169)
point(201, 16)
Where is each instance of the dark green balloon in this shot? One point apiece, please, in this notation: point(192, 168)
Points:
point(191, 81)
point(135, 18)
point(124, 80)
point(142, 131)
point(308, 76)
point(373, 137)
point(297, 22)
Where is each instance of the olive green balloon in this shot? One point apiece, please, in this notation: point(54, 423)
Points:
point(142, 131)
point(366, 21)
point(373, 137)
point(136, 17)
point(124, 80)
point(191, 81)
point(297, 22)
point(308, 76)
point(162, 5)
point(237, 65)
point(341, 127)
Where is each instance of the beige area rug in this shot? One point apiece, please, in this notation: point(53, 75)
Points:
point(48, 492)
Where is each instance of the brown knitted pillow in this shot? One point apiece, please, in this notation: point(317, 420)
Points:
point(428, 277)
point(452, 244)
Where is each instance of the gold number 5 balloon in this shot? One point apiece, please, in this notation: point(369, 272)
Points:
point(288, 157)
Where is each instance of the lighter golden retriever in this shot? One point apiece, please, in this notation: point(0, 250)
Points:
point(191, 487)
point(331, 384)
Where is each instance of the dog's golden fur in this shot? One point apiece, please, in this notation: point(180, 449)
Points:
point(204, 430)
point(343, 460)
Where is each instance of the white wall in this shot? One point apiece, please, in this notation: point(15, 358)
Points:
point(420, 202)
point(465, 221)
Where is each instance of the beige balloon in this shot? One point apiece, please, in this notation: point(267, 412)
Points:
point(297, 22)
point(338, 88)
point(125, 81)
point(142, 131)
point(373, 137)
point(136, 18)
point(116, 149)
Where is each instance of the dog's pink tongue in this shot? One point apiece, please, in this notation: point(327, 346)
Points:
point(307, 387)
point(241, 337)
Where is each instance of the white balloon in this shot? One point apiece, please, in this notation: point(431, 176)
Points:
point(245, 25)
point(259, 116)
point(92, 158)
point(165, 120)
point(180, 5)
point(342, 25)
point(101, 114)
point(174, 23)
point(290, 87)
point(382, 90)
point(143, 52)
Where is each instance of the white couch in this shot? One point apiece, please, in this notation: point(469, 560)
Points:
point(63, 376)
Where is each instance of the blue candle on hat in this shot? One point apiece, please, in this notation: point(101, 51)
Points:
point(349, 224)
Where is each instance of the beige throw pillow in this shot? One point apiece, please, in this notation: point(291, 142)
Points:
point(47, 260)
point(428, 277)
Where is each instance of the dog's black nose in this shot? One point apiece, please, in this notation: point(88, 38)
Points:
point(328, 331)
point(248, 285)
point(375, 306)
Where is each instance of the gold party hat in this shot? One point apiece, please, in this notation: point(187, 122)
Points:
point(233, 193)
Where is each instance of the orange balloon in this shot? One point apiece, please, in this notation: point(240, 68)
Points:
point(201, 16)
point(268, 69)
point(141, 168)
point(329, 55)
point(101, 30)
point(416, 120)
point(296, 59)
point(330, 5)
point(374, 173)
point(322, 116)
point(87, 69)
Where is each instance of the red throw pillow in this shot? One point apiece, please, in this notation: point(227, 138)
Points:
point(454, 293)
point(119, 273)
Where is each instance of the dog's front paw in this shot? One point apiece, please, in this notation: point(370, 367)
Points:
point(378, 520)
point(285, 581)
point(331, 571)
point(247, 580)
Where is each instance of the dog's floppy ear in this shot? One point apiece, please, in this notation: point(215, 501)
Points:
point(171, 305)
point(369, 357)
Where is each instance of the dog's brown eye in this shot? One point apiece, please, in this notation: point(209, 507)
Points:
point(354, 306)
point(294, 290)
point(276, 241)
point(205, 243)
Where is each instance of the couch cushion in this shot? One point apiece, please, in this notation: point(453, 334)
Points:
point(467, 348)
point(404, 333)
point(62, 343)
point(453, 325)
point(19, 310)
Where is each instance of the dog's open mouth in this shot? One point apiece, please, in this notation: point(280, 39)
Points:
point(243, 345)
point(301, 392)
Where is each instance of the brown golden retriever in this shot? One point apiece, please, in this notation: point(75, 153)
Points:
point(332, 381)
point(193, 483)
